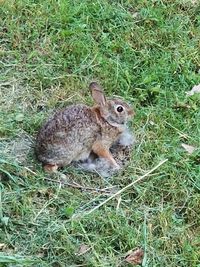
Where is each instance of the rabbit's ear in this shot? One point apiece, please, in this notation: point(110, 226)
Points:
point(97, 94)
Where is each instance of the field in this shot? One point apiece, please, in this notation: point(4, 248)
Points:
point(147, 52)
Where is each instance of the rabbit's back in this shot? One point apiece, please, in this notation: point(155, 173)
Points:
point(67, 136)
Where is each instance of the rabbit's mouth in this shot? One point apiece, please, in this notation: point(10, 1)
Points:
point(114, 122)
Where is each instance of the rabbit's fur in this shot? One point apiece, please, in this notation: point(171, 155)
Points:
point(76, 131)
point(121, 151)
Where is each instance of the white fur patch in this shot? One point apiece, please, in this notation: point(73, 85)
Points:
point(126, 138)
point(100, 166)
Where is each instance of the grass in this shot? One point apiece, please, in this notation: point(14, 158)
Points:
point(145, 51)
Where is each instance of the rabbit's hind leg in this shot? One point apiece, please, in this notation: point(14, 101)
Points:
point(50, 168)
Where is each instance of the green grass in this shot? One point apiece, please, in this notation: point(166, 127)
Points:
point(145, 51)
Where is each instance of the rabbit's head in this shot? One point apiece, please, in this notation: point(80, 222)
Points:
point(115, 111)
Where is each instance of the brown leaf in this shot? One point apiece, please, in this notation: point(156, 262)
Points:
point(188, 148)
point(2, 246)
point(181, 106)
point(135, 256)
point(195, 89)
point(83, 249)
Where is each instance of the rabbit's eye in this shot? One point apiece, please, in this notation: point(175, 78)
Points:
point(120, 109)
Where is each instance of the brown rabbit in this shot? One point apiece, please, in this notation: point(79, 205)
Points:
point(76, 131)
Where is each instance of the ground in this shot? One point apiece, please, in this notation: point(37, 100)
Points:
point(147, 52)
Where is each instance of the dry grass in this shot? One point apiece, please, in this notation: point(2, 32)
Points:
point(148, 53)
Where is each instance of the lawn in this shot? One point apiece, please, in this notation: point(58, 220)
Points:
point(147, 52)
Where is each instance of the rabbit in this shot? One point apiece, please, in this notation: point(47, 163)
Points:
point(76, 131)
